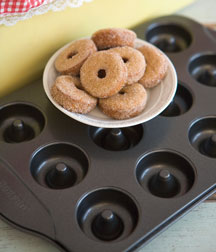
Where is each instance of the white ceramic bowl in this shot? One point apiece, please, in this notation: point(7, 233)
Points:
point(158, 99)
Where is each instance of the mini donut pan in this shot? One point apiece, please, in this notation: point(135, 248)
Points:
point(82, 187)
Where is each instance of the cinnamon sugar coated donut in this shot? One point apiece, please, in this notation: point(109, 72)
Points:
point(134, 60)
point(66, 94)
point(113, 37)
point(71, 59)
point(156, 68)
point(103, 74)
point(128, 103)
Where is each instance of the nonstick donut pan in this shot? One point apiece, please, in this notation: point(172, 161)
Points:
point(102, 189)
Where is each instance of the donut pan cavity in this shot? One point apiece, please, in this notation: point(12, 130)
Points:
point(83, 187)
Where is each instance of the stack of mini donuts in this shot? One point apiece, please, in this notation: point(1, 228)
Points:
point(107, 70)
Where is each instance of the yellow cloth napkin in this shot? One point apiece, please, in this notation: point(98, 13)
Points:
point(26, 47)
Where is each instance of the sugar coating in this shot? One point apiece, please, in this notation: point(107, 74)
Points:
point(129, 102)
point(71, 59)
point(113, 37)
point(156, 68)
point(135, 62)
point(115, 74)
point(66, 94)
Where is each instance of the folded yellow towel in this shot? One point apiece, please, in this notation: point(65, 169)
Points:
point(26, 47)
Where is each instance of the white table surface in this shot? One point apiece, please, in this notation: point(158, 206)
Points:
point(194, 232)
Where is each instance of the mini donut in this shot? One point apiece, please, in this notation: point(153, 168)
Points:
point(113, 37)
point(134, 60)
point(103, 74)
point(71, 59)
point(128, 103)
point(66, 94)
point(156, 68)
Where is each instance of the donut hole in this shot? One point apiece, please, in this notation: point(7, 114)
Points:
point(71, 55)
point(125, 60)
point(101, 73)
